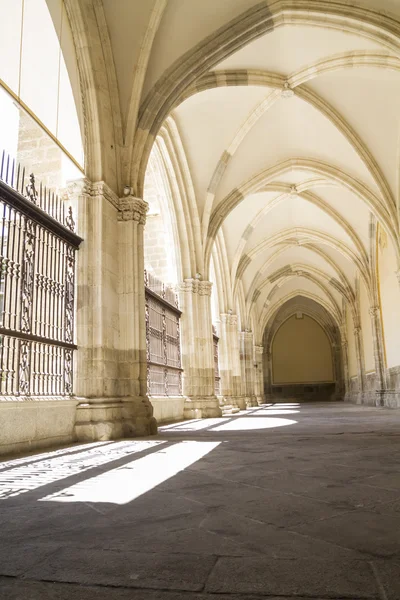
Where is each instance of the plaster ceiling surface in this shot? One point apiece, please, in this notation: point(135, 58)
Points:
point(207, 121)
point(291, 129)
point(296, 284)
point(290, 48)
point(300, 255)
point(336, 138)
point(123, 17)
point(295, 212)
point(186, 23)
point(369, 101)
point(239, 219)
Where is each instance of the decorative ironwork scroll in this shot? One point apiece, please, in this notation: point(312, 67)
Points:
point(37, 282)
point(217, 378)
point(164, 372)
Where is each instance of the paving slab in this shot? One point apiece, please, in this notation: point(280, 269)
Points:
point(336, 579)
point(306, 511)
point(126, 569)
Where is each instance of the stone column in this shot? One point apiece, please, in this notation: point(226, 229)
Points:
point(197, 350)
point(380, 372)
point(229, 362)
point(360, 361)
point(247, 367)
point(259, 374)
point(132, 363)
point(267, 360)
point(102, 413)
point(345, 362)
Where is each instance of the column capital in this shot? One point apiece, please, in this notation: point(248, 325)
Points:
point(229, 318)
point(397, 273)
point(98, 189)
point(132, 209)
point(78, 187)
point(195, 286)
point(357, 330)
point(374, 311)
point(259, 349)
point(246, 333)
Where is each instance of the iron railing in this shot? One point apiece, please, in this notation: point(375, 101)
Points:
point(217, 378)
point(164, 372)
point(37, 281)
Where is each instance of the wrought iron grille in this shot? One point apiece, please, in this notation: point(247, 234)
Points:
point(164, 372)
point(217, 378)
point(37, 280)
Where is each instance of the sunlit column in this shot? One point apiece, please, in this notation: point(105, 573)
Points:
point(111, 249)
point(229, 361)
point(345, 361)
point(247, 366)
point(132, 363)
point(259, 374)
point(360, 360)
point(377, 336)
point(197, 350)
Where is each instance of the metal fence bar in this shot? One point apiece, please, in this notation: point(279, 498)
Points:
point(217, 378)
point(37, 280)
point(164, 372)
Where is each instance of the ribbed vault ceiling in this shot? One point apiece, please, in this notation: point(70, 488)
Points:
point(291, 142)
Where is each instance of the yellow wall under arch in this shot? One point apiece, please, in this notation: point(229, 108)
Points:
point(301, 352)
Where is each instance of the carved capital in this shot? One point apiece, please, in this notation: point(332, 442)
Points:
point(78, 187)
point(246, 334)
point(398, 275)
point(374, 311)
point(357, 330)
point(259, 349)
point(195, 286)
point(132, 209)
point(229, 319)
point(101, 189)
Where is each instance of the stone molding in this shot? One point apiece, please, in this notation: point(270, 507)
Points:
point(84, 187)
point(229, 319)
point(374, 311)
point(132, 209)
point(100, 188)
point(246, 334)
point(195, 286)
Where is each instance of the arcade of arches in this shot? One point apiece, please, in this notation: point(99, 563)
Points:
point(244, 153)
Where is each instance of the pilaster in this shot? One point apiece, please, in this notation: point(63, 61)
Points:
point(247, 367)
point(259, 373)
point(197, 349)
point(110, 405)
point(360, 361)
point(229, 362)
point(377, 336)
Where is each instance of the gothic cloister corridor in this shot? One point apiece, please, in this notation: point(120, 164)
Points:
point(281, 501)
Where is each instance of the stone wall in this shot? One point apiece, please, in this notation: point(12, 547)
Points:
point(156, 247)
point(38, 153)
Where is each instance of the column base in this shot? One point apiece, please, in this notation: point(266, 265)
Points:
point(388, 398)
point(260, 400)
point(240, 402)
point(201, 407)
point(228, 405)
point(101, 419)
point(251, 401)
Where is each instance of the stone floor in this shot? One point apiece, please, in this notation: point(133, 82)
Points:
point(283, 501)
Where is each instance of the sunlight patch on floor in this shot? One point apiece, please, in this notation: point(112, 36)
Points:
point(134, 479)
point(25, 478)
point(248, 423)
